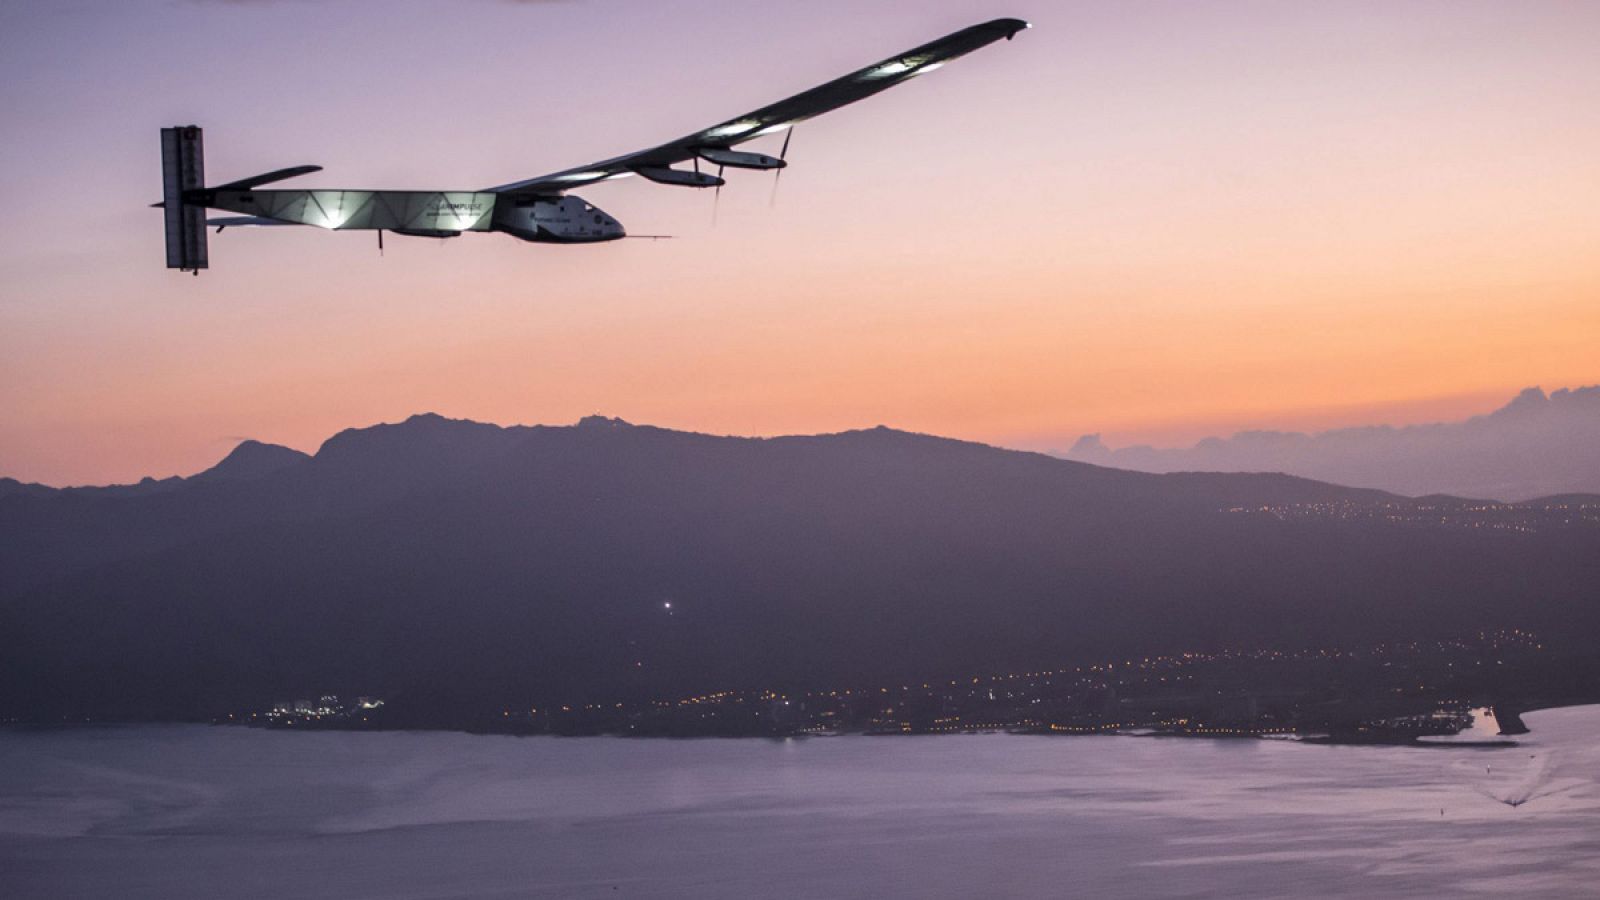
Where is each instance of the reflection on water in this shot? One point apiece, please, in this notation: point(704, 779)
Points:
point(1484, 726)
point(201, 812)
point(1484, 729)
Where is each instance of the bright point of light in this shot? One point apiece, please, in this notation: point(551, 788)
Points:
point(927, 68)
point(887, 69)
point(667, 604)
point(730, 129)
point(622, 174)
point(581, 176)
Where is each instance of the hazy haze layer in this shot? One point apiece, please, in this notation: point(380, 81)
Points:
point(1537, 445)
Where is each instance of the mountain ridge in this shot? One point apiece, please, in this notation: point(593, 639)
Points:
point(459, 563)
point(1535, 445)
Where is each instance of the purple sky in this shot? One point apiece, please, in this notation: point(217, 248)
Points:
point(1153, 220)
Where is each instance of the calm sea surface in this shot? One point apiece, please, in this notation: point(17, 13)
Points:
point(190, 811)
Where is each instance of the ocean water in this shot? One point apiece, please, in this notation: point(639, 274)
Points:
point(192, 811)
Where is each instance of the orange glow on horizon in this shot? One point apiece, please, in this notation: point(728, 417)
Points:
point(1154, 223)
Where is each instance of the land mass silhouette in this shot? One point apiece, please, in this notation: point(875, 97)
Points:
point(1536, 445)
point(461, 564)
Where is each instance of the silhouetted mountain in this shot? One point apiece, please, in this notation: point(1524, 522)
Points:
point(252, 459)
point(1534, 445)
point(458, 565)
point(11, 487)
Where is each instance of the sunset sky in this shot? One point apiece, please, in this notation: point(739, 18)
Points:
point(1157, 221)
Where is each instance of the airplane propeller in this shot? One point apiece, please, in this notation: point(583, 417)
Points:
point(777, 173)
point(716, 198)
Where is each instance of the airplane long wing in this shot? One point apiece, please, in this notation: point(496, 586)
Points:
point(655, 162)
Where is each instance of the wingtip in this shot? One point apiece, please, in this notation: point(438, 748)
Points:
point(1009, 27)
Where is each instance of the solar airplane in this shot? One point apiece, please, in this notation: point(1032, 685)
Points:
point(539, 209)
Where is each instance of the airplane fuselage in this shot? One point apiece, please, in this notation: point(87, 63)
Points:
point(564, 219)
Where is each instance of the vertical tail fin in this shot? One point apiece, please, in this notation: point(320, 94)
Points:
point(183, 168)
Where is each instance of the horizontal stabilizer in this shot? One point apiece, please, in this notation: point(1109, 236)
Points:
point(245, 184)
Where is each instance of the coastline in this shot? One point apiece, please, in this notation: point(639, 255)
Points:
point(1458, 741)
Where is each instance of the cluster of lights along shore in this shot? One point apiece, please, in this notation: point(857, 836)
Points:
point(1398, 690)
point(1524, 518)
point(327, 709)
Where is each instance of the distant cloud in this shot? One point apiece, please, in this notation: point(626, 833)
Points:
point(1536, 445)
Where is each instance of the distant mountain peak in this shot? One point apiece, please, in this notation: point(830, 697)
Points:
point(1527, 400)
point(251, 459)
point(883, 430)
point(883, 433)
point(1536, 444)
point(597, 422)
point(424, 436)
point(11, 487)
point(1577, 395)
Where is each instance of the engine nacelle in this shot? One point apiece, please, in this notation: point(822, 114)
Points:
point(679, 177)
point(555, 220)
point(738, 159)
point(417, 232)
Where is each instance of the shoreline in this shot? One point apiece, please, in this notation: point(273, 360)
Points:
point(1502, 741)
